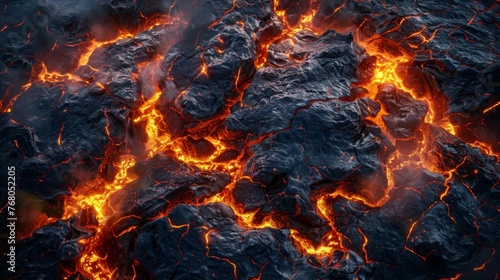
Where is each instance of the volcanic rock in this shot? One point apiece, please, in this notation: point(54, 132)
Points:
point(249, 149)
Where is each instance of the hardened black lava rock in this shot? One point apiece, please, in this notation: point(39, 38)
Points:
point(295, 101)
point(454, 41)
point(292, 163)
point(52, 250)
point(73, 123)
point(54, 34)
point(308, 133)
point(405, 115)
point(218, 55)
point(298, 72)
point(200, 241)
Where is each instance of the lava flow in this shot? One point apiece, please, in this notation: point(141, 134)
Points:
point(237, 140)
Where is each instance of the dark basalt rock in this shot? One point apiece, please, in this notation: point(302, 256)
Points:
point(298, 72)
point(164, 183)
point(442, 248)
point(204, 70)
point(293, 10)
point(288, 166)
point(200, 241)
point(480, 176)
point(454, 41)
point(299, 126)
point(37, 31)
point(405, 114)
point(76, 121)
point(53, 249)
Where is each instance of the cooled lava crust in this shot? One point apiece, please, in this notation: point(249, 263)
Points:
point(252, 139)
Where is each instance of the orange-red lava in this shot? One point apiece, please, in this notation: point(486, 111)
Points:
point(389, 69)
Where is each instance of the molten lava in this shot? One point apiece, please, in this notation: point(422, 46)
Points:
point(95, 194)
point(391, 67)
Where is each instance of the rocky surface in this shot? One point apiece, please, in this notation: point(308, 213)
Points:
point(259, 151)
point(449, 41)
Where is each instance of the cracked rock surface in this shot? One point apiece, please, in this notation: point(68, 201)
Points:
point(251, 139)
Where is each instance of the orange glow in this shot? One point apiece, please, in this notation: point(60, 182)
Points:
point(305, 23)
point(94, 266)
point(491, 107)
point(46, 76)
point(59, 136)
point(203, 69)
point(485, 149)
point(94, 44)
point(262, 56)
point(423, 38)
point(159, 140)
point(53, 77)
point(387, 72)
point(95, 193)
point(322, 251)
point(389, 69)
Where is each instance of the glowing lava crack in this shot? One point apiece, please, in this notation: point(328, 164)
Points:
point(237, 139)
